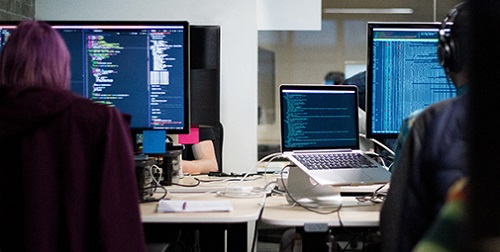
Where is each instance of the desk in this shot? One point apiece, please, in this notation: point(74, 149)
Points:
point(278, 212)
point(228, 231)
point(234, 231)
point(353, 214)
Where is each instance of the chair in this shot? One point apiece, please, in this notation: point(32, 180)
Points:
point(218, 144)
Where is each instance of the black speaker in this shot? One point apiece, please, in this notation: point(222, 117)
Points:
point(205, 75)
point(448, 48)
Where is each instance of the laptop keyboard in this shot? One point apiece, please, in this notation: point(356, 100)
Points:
point(334, 161)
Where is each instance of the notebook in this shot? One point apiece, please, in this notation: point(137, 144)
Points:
point(323, 120)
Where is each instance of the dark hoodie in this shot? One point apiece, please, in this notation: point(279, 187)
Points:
point(67, 179)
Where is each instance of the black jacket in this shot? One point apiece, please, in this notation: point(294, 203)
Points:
point(434, 156)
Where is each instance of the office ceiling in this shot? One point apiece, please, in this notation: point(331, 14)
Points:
point(423, 10)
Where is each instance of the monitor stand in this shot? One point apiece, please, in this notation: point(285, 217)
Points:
point(304, 190)
point(174, 137)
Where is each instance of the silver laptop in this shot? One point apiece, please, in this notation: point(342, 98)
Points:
point(322, 120)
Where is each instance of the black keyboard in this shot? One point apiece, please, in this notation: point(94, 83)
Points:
point(334, 160)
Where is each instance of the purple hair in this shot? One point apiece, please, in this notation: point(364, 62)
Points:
point(35, 55)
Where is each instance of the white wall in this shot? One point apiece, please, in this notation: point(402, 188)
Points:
point(238, 21)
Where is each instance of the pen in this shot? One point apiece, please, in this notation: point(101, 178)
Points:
point(184, 205)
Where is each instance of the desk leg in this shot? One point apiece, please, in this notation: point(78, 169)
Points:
point(237, 236)
point(212, 237)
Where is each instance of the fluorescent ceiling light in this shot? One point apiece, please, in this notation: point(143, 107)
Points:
point(368, 10)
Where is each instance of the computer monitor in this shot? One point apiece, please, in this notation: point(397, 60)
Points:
point(140, 67)
point(205, 74)
point(403, 74)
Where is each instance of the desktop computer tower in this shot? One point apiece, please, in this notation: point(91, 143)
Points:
point(144, 175)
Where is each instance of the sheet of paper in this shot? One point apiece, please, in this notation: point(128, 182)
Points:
point(194, 206)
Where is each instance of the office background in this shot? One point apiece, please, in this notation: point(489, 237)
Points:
point(340, 45)
point(238, 55)
point(483, 178)
point(298, 56)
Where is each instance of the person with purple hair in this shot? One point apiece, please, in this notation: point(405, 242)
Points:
point(67, 179)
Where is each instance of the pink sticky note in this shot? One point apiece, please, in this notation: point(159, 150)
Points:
point(192, 138)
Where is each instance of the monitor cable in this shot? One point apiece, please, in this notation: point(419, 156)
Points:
point(378, 143)
point(375, 197)
point(155, 184)
point(236, 190)
point(283, 182)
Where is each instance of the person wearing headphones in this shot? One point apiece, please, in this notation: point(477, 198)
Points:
point(434, 153)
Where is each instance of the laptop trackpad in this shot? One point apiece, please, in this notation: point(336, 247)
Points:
point(378, 175)
point(327, 177)
point(354, 176)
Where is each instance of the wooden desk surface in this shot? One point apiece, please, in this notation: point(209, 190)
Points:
point(244, 210)
point(239, 224)
point(278, 212)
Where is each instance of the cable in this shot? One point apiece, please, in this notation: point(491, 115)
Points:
point(389, 168)
point(271, 157)
point(351, 241)
point(152, 199)
point(240, 193)
point(382, 161)
point(158, 169)
point(247, 192)
point(379, 144)
point(375, 197)
point(336, 209)
point(154, 186)
point(198, 182)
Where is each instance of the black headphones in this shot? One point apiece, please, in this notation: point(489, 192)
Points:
point(448, 49)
